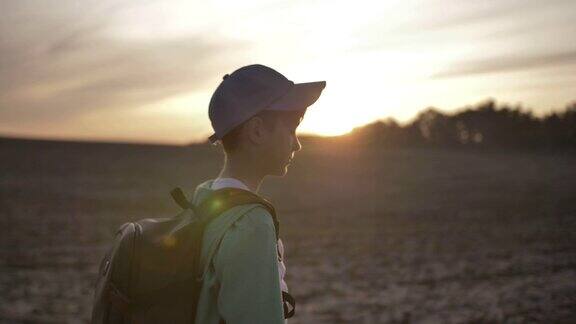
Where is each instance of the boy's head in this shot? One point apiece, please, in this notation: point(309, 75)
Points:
point(255, 112)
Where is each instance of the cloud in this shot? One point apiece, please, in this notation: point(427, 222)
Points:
point(457, 14)
point(122, 76)
point(510, 63)
point(443, 23)
point(56, 67)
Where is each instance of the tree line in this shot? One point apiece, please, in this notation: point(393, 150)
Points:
point(484, 125)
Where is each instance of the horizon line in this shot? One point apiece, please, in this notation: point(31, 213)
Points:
point(104, 140)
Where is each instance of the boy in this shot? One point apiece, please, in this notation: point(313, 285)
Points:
point(254, 112)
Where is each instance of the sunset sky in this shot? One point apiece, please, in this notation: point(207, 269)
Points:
point(144, 70)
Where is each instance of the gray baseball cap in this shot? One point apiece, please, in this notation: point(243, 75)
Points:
point(253, 88)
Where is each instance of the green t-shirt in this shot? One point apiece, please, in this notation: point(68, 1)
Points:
point(241, 281)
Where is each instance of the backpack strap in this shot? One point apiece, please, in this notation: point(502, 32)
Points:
point(221, 200)
point(180, 199)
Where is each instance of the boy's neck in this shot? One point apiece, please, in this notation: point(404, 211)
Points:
point(245, 172)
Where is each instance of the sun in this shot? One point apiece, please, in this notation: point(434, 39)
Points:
point(330, 117)
point(325, 124)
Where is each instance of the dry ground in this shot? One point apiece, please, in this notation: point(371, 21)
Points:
point(371, 236)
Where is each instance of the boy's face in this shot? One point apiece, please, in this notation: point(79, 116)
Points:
point(282, 145)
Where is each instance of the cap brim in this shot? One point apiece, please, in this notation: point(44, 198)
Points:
point(299, 97)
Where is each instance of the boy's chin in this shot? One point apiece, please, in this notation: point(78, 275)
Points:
point(280, 172)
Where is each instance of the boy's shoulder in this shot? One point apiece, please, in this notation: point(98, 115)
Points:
point(239, 224)
point(253, 223)
point(257, 216)
point(252, 214)
point(249, 239)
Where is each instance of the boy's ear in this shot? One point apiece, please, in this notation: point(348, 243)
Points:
point(255, 130)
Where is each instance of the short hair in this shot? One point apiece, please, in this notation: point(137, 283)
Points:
point(231, 140)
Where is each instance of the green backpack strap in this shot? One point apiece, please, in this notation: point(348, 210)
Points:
point(221, 200)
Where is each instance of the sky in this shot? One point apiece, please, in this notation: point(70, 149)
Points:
point(144, 70)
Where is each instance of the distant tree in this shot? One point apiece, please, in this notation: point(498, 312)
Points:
point(484, 125)
point(560, 128)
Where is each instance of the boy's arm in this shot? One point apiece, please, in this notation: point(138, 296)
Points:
point(247, 270)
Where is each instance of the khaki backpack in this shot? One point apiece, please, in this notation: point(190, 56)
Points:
point(151, 273)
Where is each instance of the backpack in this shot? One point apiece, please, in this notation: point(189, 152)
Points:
point(151, 274)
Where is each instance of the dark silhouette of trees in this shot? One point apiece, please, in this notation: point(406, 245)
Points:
point(483, 125)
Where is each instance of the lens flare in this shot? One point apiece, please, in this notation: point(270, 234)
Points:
point(169, 241)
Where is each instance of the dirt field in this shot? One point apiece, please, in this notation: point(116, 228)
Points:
point(371, 236)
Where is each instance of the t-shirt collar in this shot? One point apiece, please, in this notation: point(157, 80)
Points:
point(228, 183)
